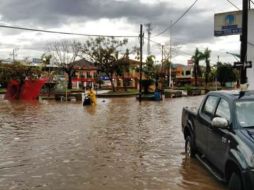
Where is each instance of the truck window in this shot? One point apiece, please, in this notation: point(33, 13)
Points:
point(210, 105)
point(245, 112)
point(223, 110)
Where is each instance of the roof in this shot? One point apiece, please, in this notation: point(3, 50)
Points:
point(134, 62)
point(83, 63)
point(235, 94)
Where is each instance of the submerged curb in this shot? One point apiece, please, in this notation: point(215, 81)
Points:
point(116, 95)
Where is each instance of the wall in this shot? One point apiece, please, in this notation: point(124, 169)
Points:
point(250, 56)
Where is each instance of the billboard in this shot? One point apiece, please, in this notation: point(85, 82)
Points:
point(229, 23)
point(37, 61)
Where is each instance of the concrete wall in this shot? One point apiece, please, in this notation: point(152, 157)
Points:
point(250, 56)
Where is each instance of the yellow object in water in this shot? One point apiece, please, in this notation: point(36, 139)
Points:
point(91, 94)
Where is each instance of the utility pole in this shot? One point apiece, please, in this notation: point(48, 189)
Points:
point(141, 36)
point(149, 29)
point(244, 41)
point(170, 56)
point(162, 54)
point(162, 59)
point(13, 54)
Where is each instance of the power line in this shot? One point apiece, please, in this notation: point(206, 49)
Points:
point(65, 33)
point(170, 26)
point(233, 4)
point(158, 43)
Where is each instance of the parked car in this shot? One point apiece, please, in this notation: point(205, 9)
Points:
point(220, 133)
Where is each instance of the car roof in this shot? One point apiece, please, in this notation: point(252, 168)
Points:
point(234, 94)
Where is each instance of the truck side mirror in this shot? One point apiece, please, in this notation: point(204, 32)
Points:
point(220, 122)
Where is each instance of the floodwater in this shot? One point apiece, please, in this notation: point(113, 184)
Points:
point(118, 144)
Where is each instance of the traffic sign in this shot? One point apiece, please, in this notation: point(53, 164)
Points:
point(248, 64)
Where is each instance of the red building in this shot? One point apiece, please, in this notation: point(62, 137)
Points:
point(85, 74)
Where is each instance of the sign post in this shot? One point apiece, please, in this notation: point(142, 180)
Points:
point(238, 22)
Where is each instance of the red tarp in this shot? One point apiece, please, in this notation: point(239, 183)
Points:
point(29, 91)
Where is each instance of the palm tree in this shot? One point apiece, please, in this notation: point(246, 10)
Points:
point(206, 56)
point(196, 58)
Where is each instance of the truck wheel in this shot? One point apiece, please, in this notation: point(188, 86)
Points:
point(189, 150)
point(235, 182)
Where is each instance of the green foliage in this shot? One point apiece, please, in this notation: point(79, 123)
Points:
point(46, 58)
point(150, 69)
point(206, 56)
point(196, 59)
point(105, 53)
point(17, 71)
point(145, 84)
point(226, 73)
point(188, 87)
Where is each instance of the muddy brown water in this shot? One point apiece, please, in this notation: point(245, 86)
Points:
point(118, 144)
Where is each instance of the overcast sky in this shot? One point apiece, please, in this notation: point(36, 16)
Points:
point(116, 17)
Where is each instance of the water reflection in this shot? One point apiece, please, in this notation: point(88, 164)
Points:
point(117, 144)
point(90, 109)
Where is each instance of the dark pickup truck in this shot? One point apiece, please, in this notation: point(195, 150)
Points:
point(220, 133)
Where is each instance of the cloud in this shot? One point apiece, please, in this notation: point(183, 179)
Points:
point(48, 12)
point(55, 14)
point(118, 17)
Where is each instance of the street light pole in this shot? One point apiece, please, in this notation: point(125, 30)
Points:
point(244, 40)
point(141, 57)
point(216, 77)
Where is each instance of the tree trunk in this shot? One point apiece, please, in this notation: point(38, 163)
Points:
point(125, 84)
point(69, 81)
point(206, 79)
point(112, 85)
point(195, 75)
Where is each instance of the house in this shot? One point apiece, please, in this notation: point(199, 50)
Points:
point(183, 74)
point(131, 76)
point(85, 74)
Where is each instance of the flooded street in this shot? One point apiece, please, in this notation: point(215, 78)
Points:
point(117, 144)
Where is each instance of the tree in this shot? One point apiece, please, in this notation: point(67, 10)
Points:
point(230, 75)
point(46, 58)
point(168, 51)
point(206, 57)
point(123, 67)
point(196, 58)
point(65, 53)
point(18, 72)
point(166, 67)
point(152, 71)
point(105, 53)
point(149, 68)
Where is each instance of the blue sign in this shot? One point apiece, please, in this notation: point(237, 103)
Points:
point(230, 31)
point(104, 78)
point(230, 20)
